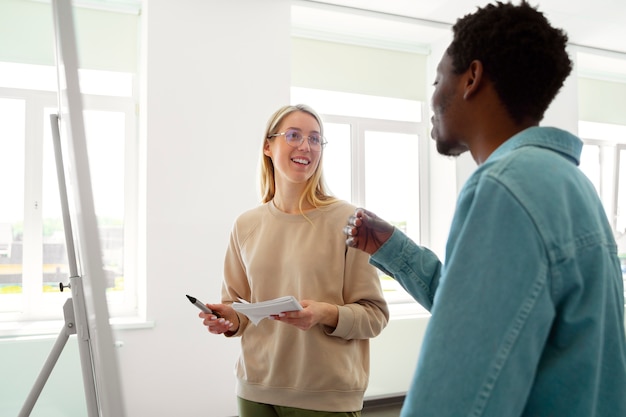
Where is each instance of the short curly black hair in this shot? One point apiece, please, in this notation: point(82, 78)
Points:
point(522, 54)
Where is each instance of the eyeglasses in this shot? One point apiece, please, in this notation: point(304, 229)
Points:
point(294, 138)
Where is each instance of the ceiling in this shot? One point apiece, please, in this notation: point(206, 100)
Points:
point(596, 29)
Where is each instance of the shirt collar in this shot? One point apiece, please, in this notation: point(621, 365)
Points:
point(551, 138)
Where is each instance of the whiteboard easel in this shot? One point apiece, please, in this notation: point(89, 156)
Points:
point(86, 312)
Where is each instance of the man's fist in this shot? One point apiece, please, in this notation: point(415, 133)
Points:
point(366, 231)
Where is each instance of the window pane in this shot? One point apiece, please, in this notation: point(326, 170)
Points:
point(55, 266)
point(12, 146)
point(358, 105)
point(35, 77)
point(590, 164)
point(106, 83)
point(621, 210)
point(337, 162)
point(105, 132)
point(621, 196)
point(369, 166)
point(44, 78)
point(392, 189)
point(34, 261)
point(105, 146)
point(392, 179)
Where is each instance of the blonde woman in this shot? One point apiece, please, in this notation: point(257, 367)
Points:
point(312, 362)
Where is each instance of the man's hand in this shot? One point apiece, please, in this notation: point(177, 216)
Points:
point(366, 231)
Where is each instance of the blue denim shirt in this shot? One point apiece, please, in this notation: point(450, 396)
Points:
point(528, 310)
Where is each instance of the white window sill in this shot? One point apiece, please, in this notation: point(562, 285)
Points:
point(16, 330)
point(410, 310)
point(25, 329)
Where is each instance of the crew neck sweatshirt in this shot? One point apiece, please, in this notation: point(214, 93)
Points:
point(273, 254)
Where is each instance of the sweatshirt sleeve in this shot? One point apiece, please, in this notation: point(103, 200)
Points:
point(235, 284)
point(365, 312)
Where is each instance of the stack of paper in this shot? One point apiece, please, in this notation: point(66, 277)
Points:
point(258, 311)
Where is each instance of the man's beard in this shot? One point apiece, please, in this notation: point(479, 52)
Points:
point(450, 148)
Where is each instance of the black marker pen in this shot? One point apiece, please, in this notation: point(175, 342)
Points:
point(202, 307)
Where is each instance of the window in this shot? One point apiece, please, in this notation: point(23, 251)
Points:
point(373, 159)
point(33, 255)
point(620, 191)
point(603, 160)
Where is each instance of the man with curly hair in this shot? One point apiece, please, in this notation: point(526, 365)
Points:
point(528, 309)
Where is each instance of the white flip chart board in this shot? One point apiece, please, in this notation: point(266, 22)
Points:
point(84, 226)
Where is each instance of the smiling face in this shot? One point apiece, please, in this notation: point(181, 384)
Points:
point(447, 119)
point(294, 166)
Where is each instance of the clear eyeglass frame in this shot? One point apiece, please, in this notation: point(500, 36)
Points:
point(295, 138)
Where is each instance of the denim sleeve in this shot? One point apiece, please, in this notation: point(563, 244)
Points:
point(491, 313)
point(416, 268)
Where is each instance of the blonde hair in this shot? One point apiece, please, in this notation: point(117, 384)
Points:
point(315, 192)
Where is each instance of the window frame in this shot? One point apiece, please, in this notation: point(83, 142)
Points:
point(609, 187)
point(32, 304)
point(621, 147)
point(609, 173)
point(402, 303)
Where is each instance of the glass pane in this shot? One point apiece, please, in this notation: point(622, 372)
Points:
point(12, 148)
point(392, 179)
point(392, 189)
point(358, 105)
point(337, 163)
point(590, 164)
point(621, 195)
point(42, 77)
point(106, 83)
point(54, 250)
point(35, 77)
point(621, 209)
point(106, 132)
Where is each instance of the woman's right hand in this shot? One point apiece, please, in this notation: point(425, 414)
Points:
point(228, 322)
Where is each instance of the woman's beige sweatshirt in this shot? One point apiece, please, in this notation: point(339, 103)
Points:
point(273, 254)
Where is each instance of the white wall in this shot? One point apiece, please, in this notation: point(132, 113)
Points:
point(563, 111)
point(22, 360)
point(210, 87)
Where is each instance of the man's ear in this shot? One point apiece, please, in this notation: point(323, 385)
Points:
point(474, 78)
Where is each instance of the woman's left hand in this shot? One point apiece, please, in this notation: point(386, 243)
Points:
point(312, 313)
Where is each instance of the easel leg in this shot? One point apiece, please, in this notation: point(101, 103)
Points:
point(52, 359)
